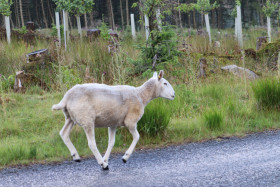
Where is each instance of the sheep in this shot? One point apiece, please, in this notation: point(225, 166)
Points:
point(99, 105)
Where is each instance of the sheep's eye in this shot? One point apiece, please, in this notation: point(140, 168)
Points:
point(165, 84)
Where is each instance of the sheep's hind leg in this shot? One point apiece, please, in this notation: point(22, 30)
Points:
point(111, 142)
point(136, 136)
point(89, 130)
point(64, 133)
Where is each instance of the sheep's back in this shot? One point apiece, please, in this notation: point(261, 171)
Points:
point(106, 105)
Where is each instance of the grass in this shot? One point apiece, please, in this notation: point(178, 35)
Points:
point(203, 109)
point(267, 93)
point(29, 130)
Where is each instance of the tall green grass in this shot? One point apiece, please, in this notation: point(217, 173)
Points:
point(156, 118)
point(267, 93)
point(213, 120)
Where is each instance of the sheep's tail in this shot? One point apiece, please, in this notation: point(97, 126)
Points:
point(60, 105)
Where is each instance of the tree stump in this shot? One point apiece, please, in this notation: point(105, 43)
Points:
point(30, 26)
point(203, 66)
point(37, 57)
point(23, 80)
point(92, 34)
point(37, 71)
point(260, 41)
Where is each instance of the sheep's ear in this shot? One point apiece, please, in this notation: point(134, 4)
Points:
point(155, 75)
point(160, 74)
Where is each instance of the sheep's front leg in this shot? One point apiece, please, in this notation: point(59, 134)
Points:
point(111, 143)
point(92, 145)
point(136, 136)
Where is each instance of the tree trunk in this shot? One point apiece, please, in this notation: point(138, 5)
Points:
point(70, 22)
point(79, 26)
point(239, 27)
point(11, 21)
point(8, 28)
point(86, 21)
point(133, 27)
point(159, 19)
point(50, 11)
point(202, 21)
point(147, 27)
point(21, 13)
point(220, 19)
point(194, 21)
point(213, 18)
point(109, 13)
point(127, 13)
point(112, 14)
point(268, 29)
point(37, 13)
point(44, 15)
point(58, 27)
point(208, 26)
point(189, 20)
point(91, 19)
point(179, 14)
point(121, 14)
point(17, 14)
point(141, 14)
point(65, 24)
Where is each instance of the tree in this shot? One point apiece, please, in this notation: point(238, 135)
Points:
point(268, 10)
point(186, 8)
point(65, 6)
point(204, 7)
point(238, 22)
point(78, 8)
point(161, 44)
point(5, 9)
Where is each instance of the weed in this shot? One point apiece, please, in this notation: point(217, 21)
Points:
point(267, 93)
point(156, 118)
point(213, 120)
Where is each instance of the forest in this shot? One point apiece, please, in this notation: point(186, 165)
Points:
point(42, 12)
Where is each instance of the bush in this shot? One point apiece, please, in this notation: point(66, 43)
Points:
point(54, 30)
point(213, 120)
point(156, 118)
point(6, 83)
point(267, 93)
point(163, 45)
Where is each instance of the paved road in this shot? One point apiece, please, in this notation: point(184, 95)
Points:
point(251, 161)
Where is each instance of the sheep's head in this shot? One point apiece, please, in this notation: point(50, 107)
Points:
point(164, 88)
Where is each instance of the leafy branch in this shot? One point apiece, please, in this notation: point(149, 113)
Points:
point(5, 7)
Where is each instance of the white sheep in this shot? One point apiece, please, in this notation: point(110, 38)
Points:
point(99, 105)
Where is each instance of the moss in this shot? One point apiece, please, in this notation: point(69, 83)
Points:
point(269, 49)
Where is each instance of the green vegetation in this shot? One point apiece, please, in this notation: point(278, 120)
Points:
point(219, 105)
point(213, 120)
point(267, 93)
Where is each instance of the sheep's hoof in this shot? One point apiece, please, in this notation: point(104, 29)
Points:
point(124, 161)
point(104, 168)
point(107, 168)
point(76, 158)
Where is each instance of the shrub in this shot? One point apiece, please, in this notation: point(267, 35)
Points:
point(213, 120)
point(156, 118)
point(267, 93)
point(54, 30)
point(163, 44)
point(104, 31)
point(6, 83)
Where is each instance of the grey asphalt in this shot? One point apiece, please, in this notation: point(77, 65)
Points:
point(250, 161)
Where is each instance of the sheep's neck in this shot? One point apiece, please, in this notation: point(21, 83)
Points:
point(147, 91)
